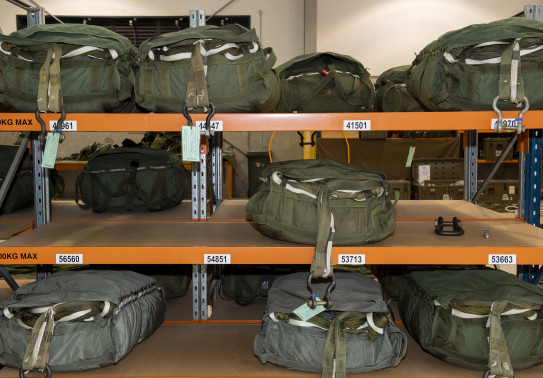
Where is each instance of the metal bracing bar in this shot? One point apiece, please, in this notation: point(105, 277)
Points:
point(470, 165)
point(6, 184)
point(495, 167)
point(216, 169)
point(9, 279)
point(199, 292)
point(533, 171)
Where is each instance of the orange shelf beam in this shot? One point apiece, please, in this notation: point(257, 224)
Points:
point(272, 121)
point(476, 255)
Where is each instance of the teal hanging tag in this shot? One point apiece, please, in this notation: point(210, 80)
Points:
point(191, 143)
point(410, 156)
point(305, 312)
point(50, 152)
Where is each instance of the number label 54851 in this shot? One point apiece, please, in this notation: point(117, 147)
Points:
point(217, 259)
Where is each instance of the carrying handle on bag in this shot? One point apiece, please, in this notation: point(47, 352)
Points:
point(456, 225)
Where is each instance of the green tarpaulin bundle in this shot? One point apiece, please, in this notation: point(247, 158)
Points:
point(78, 320)
point(356, 335)
point(84, 68)
point(478, 319)
point(223, 65)
point(470, 68)
point(324, 82)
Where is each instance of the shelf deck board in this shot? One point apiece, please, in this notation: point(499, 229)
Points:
point(147, 241)
point(226, 350)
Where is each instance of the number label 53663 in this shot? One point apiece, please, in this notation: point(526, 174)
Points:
point(502, 259)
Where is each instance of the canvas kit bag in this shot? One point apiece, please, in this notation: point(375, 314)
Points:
point(78, 320)
point(131, 179)
point(321, 202)
point(223, 65)
point(392, 94)
point(478, 319)
point(480, 65)
point(84, 68)
point(324, 82)
point(356, 335)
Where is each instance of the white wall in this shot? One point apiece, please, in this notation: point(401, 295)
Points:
point(387, 33)
point(280, 24)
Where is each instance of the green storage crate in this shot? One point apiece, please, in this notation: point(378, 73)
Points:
point(403, 187)
point(500, 192)
point(440, 190)
point(257, 161)
point(493, 147)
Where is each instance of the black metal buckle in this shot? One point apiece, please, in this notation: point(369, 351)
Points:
point(456, 224)
point(327, 300)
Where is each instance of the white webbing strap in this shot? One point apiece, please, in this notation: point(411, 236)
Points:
point(203, 51)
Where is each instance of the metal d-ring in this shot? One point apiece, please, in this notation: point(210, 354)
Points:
point(519, 127)
point(185, 112)
point(487, 374)
point(47, 372)
point(210, 115)
point(43, 134)
point(327, 302)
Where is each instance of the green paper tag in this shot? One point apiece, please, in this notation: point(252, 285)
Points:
point(410, 156)
point(191, 143)
point(305, 312)
point(50, 152)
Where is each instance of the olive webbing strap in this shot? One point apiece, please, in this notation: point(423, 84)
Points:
point(43, 86)
point(316, 89)
point(37, 351)
point(499, 361)
point(321, 266)
point(334, 361)
point(197, 94)
point(511, 87)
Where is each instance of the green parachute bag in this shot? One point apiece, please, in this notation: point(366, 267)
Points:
point(356, 335)
point(322, 202)
point(248, 283)
point(477, 319)
point(20, 195)
point(392, 94)
point(324, 82)
point(83, 68)
point(224, 65)
point(78, 320)
point(131, 179)
point(480, 65)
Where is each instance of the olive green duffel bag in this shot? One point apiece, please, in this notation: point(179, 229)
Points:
point(474, 67)
point(223, 65)
point(132, 179)
point(392, 94)
point(78, 320)
point(85, 68)
point(324, 82)
point(356, 335)
point(321, 202)
point(478, 319)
